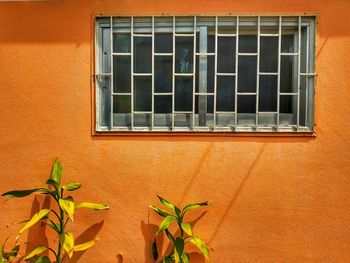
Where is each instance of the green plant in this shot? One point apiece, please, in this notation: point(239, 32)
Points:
point(7, 257)
point(177, 253)
point(57, 218)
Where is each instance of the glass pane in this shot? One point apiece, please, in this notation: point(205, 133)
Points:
point(225, 119)
point(121, 43)
point(122, 74)
point(143, 94)
point(121, 24)
point(289, 74)
point(121, 104)
point(122, 119)
point(306, 100)
point(288, 106)
point(143, 25)
point(226, 54)
point(162, 120)
point(289, 38)
point(268, 93)
point(104, 84)
point(105, 52)
point(205, 71)
point(184, 54)
point(247, 74)
point(269, 24)
point(184, 25)
point(225, 93)
point(163, 24)
point(268, 54)
point(246, 103)
point(248, 35)
point(227, 25)
point(204, 108)
point(183, 120)
point(142, 54)
point(267, 119)
point(163, 70)
point(142, 119)
point(163, 43)
point(183, 94)
point(163, 104)
point(210, 39)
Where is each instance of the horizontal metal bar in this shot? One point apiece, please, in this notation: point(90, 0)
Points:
point(247, 54)
point(141, 74)
point(268, 35)
point(226, 112)
point(268, 73)
point(103, 74)
point(183, 74)
point(121, 94)
point(307, 74)
point(246, 93)
point(183, 35)
point(205, 54)
point(288, 93)
point(226, 35)
point(290, 54)
point(225, 74)
point(121, 54)
point(268, 112)
point(142, 35)
point(182, 112)
point(142, 112)
point(204, 93)
point(162, 54)
point(163, 93)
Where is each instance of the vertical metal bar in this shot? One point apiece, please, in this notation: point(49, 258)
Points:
point(152, 117)
point(173, 79)
point(132, 73)
point(215, 68)
point(202, 71)
point(279, 71)
point(236, 70)
point(298, 83)
point(194, 71)
point(257, 76)
point(111, 80)
point(307, 70)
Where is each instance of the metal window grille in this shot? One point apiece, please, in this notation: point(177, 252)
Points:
point(234, 74)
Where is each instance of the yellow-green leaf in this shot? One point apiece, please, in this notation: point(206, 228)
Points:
point(187, 228)
point(166, 203)
point(42, 259)
point(56, 172)
point(185, 258)
point(199, 243)
point(67, 242)
point(72, 186)
point(165, 223)
point(68, 206)
point(14, 251)
point(179, 248)
point(85, 246)
point(23, 193)
point(194, 206)
point(93, 206)
point(36, 251)
point(37, 217)
point(160, 211)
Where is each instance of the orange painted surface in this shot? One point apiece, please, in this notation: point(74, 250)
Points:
point(273, 199)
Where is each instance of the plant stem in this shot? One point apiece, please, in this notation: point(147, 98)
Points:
point(62, 226)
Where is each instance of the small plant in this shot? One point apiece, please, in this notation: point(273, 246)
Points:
point(7, 257)
point(56, 219)
point(178, 253)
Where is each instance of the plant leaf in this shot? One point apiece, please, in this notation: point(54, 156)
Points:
point(72, 186)
point(23, 193)
point(42, 259)
point(2, 259)
point(56, 172)
point(36, 217)
point(154, 250)
point(67, 242)
point(52, 182)
point(93, 206)
point(193, 206)
point(84, 246)
point(166, 203)
point(170, 236)
point(14, 251)
point(179, 248)
point(68, 206)
point(184, 258)
point(187, 228)
point(199, 243)
point(167, 259)
point(36, 251)
point(165, 223)
point(160, 211)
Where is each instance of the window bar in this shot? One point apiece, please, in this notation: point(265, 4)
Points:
point(215, 70)
point(225, 74)
point(236, 70)
point(132, 73)
point(111, 80)
point(173, 79)
point(298, 83)
point(279, 71)
point(257, 76)
point(152, 117)
point(307, 70)
point(194, 71)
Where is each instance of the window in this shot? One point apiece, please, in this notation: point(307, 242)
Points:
point(250, 74)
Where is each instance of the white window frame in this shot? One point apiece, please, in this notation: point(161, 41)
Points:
point(310, 75)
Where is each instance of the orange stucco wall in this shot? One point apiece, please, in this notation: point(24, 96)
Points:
point(272, 199)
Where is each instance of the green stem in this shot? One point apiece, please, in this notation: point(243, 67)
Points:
point(62, 226)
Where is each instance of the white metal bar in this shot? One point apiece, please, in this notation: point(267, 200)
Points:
point(288, 93)
point(141, 74)
point(162, 93)
point(132, 72)
point(103, 74)
point(307, 74)
point(268, 35)
point(226, 35)
point(279, 70)
point(225, 74)
point(299, 63)
point(183, 112)
point(183, 35)
point(246, 93)
point(247, 54)
point(152, 117)
point(111, 82)
point(236, 69)
point(163, 54)
point(204, 93)
point(121, 94)
point(215, 69)
point(257, 75)
point(290, 54)
point(141, 35)
point(142, 112)
point(268, 73)
point(205, 54)
point(194, 70)
point(173, 80)
point(121, 54)
point(184, 74)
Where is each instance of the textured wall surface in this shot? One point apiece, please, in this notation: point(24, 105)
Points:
point(273, 199)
